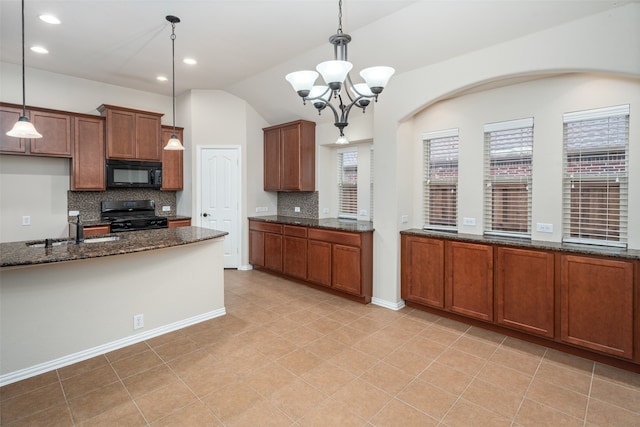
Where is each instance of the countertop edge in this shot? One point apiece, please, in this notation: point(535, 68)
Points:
point(352, 226)
point(529, 244)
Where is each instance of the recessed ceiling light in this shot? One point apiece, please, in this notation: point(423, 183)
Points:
point(39, 49)
point(190, 61)
point(162, 79)
point(50, 19)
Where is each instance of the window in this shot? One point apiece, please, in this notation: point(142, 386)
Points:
point(596, 144)
point(371, 184)
point(441, 179)
point(348, 183)
point(507, 177)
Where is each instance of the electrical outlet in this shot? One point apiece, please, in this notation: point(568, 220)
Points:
point(26, 220)
point(166, 209)
point(74, 213)
point(363, 212)
point(138, 321)
point(262, 209)
point(544, 228)
point(404, 219)
point(469, 221)
point(296, 209)
point(325, 210)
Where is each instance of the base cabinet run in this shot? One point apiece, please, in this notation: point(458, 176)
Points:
point(336, 260)
point(570, 301)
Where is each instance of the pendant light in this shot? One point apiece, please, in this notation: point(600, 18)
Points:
point(23, 127)
point(336, 76)
point(173, 143)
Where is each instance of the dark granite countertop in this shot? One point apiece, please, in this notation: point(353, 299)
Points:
point(21, 254)
point(527, 243)
point(327, 223)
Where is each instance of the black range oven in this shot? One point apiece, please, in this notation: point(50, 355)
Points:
point(132, 215)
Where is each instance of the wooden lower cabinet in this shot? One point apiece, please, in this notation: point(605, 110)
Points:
point(525, 290)
point(422, 267)
point(469, 280)
point(294, 258)
point(580, 303)
point(598, 304)
point(96, 230)
point(175, 223)
point(339, 260)
point(319, 262)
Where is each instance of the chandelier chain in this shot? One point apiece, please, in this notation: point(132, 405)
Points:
point(340, 17)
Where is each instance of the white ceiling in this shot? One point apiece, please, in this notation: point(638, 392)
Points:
point(247, 46)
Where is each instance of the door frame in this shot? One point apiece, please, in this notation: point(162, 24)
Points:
point(198, 189)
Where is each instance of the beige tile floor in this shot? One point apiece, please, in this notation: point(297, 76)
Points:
point(287, 355)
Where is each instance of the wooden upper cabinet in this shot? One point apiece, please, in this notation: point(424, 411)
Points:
point(290, 157)
point(598, 304)
point(172, 161)
point(9, 144)
point(469, 280)
point(132, 134)
point(88, 160)
point(54, 126)
point(56, 134)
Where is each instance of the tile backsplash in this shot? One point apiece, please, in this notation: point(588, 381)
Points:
point(307, 201)
point(88, 202)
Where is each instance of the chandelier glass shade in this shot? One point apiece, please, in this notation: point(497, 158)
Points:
point(336, 77)
point(23, 128)
point(174, 142)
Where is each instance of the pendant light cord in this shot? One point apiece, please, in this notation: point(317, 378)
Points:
point(24, 107)
point(339, 17)
point(173, 59)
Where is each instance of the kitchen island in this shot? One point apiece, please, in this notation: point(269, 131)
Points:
point(70, 302)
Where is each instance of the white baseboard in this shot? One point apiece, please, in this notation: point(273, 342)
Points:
point(388, 304)
point(70, 359)
point(245, 267)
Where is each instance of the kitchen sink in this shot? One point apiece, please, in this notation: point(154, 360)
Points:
point(41, 243)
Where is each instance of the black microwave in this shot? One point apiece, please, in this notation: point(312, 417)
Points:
point(133, 174)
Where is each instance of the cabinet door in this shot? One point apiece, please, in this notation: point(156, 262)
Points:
point(346, 269)
point(273, 251)
point(272, 160)
point(171, 162)
point(121, 134)
point(10, 144)
point(290, 167)
point(422, 269)
point(319, 262)
point(469, 280)
point(597, 304)
point(295, 256)
point(525, 290)
point(88, 154)
point(56, 134)
point(256, 248)
point(148, 137)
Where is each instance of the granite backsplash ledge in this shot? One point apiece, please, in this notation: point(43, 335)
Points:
point(307, 201)
point(88, 202)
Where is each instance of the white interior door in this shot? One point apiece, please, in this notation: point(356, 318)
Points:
point(219, 202)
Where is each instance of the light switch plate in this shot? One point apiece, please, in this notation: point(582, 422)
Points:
point(469, 221)
point(166, 208)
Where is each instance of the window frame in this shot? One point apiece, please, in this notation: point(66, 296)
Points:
point(340, 174)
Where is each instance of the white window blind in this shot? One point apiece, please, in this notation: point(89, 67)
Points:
point(348, 184)
point(507, 177)
point(440, 196)
point(595, 181)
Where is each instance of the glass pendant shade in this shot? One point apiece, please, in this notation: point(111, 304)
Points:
point(24, 129)
point(362, 89)
point(334, 72)
point(302, 81)
point(322, 93)
point(174, 144)
point(342, 140)
point(377, 77)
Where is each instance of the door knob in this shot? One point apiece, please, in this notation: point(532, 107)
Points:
point(205, 214)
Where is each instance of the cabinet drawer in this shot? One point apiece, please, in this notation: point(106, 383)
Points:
point(351, 239)
point(265, 226)
point(294, 230)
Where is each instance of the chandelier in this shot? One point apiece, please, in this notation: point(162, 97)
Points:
point(336, 76)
